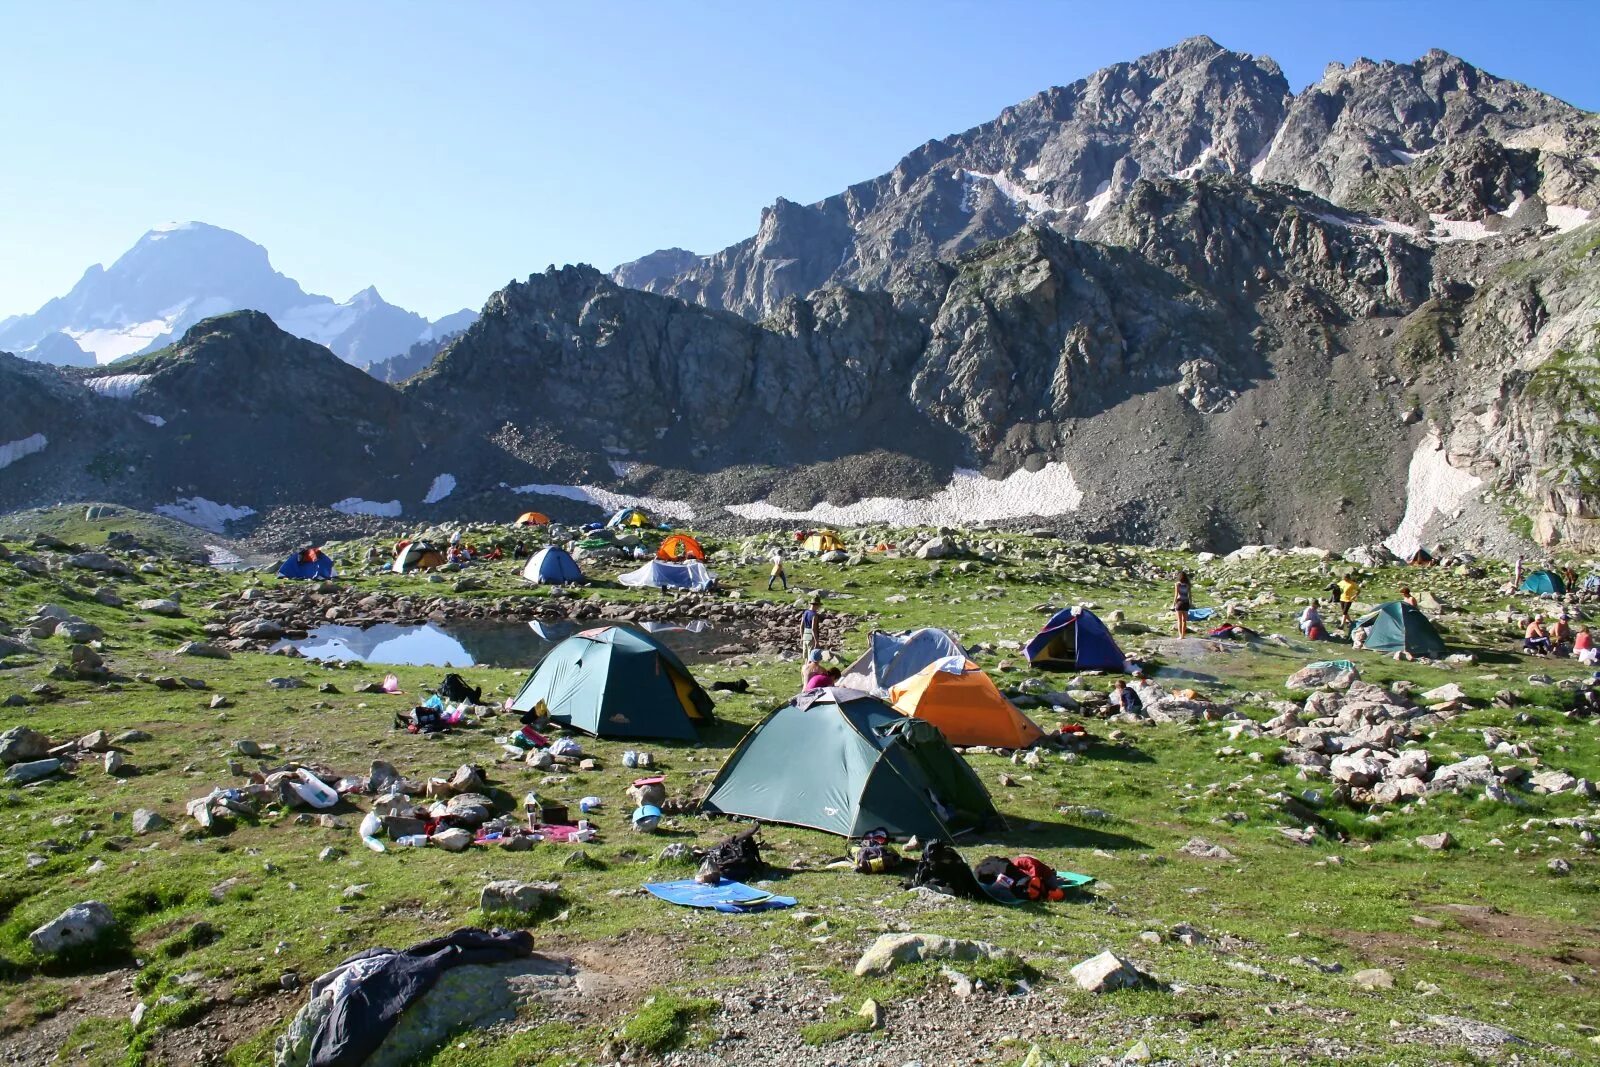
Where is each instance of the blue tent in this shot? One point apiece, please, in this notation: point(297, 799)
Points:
point(307, 563)
point(892, 658)
point(659, 574)
point(1544, 583)
point(552, 566)
point(1075, 639)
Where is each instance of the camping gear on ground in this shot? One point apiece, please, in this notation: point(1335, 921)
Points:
point(552, 565)
point(819, 541)
point(724, 895)
point(532, 518)
point(892, 658)
point(737, 856)
point(307, 563)
point(874, 854)
point(843, 761)
point(588, 804)
point(659, 574)
point(1401, 627)
point(313, 790)
point(679, 547)
point(1543, 583)
point(391, 683)
point(941, 869)
point(629, 517)
point(1025, 878)
point(417, 556)
point(372, 989)
point(455, 689)
point(1075, 639)
point(956, 695)
point(615, 681)
point(646, 817)
point(421, 719)
point(371, 827)
point(1200, 614)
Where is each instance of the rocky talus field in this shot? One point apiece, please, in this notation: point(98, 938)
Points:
point(1390, 863)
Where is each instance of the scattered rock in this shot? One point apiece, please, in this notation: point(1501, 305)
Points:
point(891, 950)
point(1107, 972)
point(81, 924)
point(1437, 842)
point(1373, 979)
point(146, 821)
point(523, 897)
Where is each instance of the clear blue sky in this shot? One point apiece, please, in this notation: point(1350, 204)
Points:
point(438, 150)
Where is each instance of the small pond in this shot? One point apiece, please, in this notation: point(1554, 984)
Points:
point(483, 644)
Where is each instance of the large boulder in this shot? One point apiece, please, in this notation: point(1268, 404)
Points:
point(470, 997)
point(1323, 676)
point(1357, 768)
point(23, 773)
point(161, 606)
point(98, 561)
point(21, 744)
point(891, 950)
point(81, 924)
point(510, 895)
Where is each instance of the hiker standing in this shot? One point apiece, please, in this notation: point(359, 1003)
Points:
point(1181, 602)
point(810, 627)
point(1349, 589)
point(777, 574)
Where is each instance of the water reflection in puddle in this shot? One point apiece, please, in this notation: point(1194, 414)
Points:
point(492, 644)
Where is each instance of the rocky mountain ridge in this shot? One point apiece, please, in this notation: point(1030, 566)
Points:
point(1384, 347)
point(179, 274)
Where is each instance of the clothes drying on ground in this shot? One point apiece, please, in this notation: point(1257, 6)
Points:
point(892, 658)
point(1401, 627)
point(615, 681)
point(1200, 614)
point(307, 563)
point(552, 566)
point(845, 762)
point(657, 574)
point(1075, 639)
point(679, 547)
point(956, 695)
point(724, 896)
point(373, 988)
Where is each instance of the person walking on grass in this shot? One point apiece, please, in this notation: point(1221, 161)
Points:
point(1349, 589)
point(1182, 602)
point(777, 574)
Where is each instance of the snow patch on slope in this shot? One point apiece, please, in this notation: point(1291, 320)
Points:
point(118, 386)
point(1564, 217)
point(1030, 202)
point(354, 505)
point(608, 500)
point(206, 514)
point(442, 487)
point(154, 420)
point(1433, 487)
point(1458, 229)
point(970, 497)
point(15, 450)
point(1364, 223)
point(1097, 203)
point(111, 343)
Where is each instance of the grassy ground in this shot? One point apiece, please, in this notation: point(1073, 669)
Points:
point(212, 924)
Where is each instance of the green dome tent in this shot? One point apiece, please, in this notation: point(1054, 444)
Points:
point(844, 762)
point(613, 681)
point(1543, 583)
point(1399, 627)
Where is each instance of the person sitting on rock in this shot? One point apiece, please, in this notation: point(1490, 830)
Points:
point(1125, 699)
point(1535, 641)
point(1561, 636)
point(1584, 649)
point(1406, 596)
point(1311, 623)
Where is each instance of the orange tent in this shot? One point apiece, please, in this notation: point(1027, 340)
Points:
point(680, 547)
point(956, 696)
point(532, 518)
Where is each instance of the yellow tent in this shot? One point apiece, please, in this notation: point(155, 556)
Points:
point(532, 518)
point(955, 695)
point(821, 541)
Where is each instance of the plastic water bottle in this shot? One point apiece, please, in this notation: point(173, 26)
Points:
point(530, 805)
point(413, 840)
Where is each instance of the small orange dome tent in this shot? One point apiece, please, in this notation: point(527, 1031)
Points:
point(955, 695)
point(680, 547)
point(532, 518)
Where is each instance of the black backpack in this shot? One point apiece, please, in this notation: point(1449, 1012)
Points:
point(941, 869)
point(737, 858)
point(874, 854)
point(455, 689)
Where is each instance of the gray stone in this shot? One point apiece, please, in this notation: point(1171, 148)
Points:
point(82, 924)
point(203, 650)
point(21, 744)
point(1328, 677)
point(161, 606)
point(524, 897)
point(1437, 842)
point(1107, 972)
point(1373, 979)
point(146, 821)
point(22, 773)
point(452, 840)
point(286, 683)
point(891, 950)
